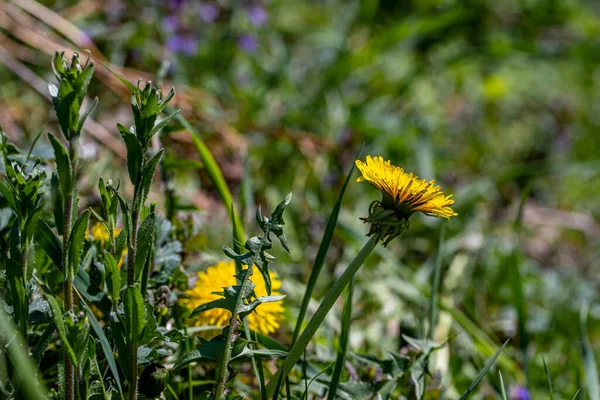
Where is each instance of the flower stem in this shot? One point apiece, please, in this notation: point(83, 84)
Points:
point(234, 324)
point(299, 347)
point(69, 272)
point(133, 362)
point(68, 295)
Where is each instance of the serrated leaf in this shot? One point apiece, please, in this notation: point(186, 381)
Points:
point(145, 239)
point(247, 309)
point(224, 303)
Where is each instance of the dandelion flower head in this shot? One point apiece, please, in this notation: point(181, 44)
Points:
point(404, 193)
point(100, 234)
point(265, 319)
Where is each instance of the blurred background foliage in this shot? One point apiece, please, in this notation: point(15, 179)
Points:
point(498, 101)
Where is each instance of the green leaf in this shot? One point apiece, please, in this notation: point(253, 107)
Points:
point(164, 122)
point(57, 203)
point(119, 336)
point(10, 197)
point(16, 281)
point(145, 240)
point(86, 114)
point(60, 326)
point(126, 220)
point(43, 342)
point(49, 242)
point(224, 303)
point(113, 277)
point(247, 309)
point(104, 343)
point(484, 371)
point(147, 176)
point(63, 166)
point(135, 315)
point(77, 240)
point(135, 153)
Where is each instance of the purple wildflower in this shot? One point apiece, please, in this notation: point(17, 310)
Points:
point(182, 44)
point(175, 4)
point(171, 23)
point(520, 393)
point(247, 43)
point(257, 15)
point(209, 12)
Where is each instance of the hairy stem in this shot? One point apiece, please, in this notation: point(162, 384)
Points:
point(69, 272)
point(68, 294)
point(133, 361)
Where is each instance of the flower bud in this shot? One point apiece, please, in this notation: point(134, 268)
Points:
point(153, 380)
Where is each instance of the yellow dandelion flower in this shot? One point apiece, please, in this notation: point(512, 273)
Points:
point(405, 193)
point(100, 234)
point(265, 319)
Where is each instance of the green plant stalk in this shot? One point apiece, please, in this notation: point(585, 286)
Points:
point(234, 323)
point(133, 367)
point(317, 319)
point(69, 273)
point(24, 249)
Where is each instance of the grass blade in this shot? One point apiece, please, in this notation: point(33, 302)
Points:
point(589, 361)
point(23, 363)
point(502, 386)
point(321, 255)
point(548, 378)
point(484, 371)
point(516, 281)
point(343, 347)
point(106, 349)
point(299, 347)
point(314, 378)
point(433, 298)
point(213, 170)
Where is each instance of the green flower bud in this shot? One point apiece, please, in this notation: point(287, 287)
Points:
point(153, 380)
